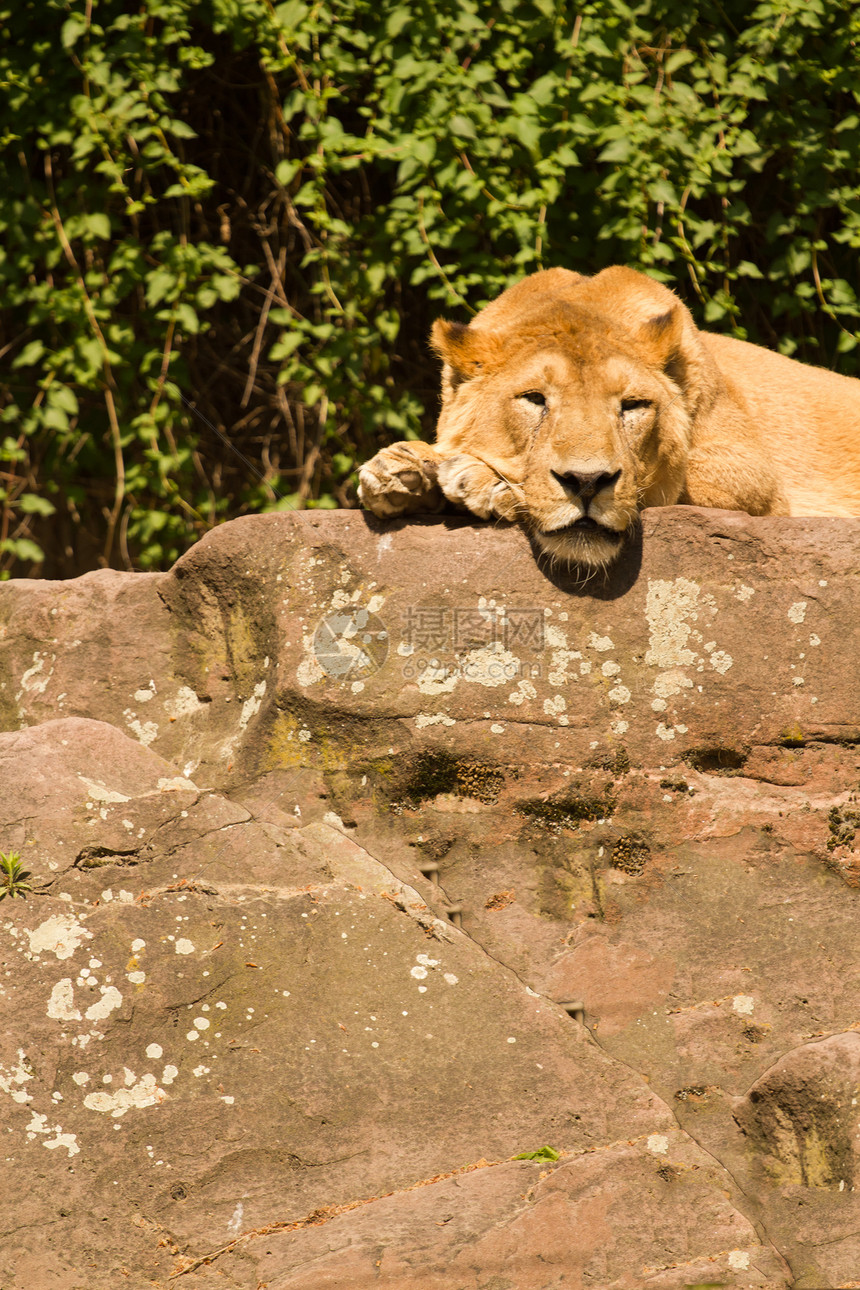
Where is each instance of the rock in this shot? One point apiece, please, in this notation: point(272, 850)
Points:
point(327, 826)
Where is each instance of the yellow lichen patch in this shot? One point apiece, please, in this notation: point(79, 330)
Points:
point(792, 736)
point(243, 648)
point(286, 748)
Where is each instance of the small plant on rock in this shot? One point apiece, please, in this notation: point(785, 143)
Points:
point(542, 1153)
point(13, 876)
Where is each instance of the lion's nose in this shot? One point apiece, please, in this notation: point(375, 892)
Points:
point(584, 485)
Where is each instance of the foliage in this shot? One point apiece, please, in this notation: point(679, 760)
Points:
point(258, 209)
point(542, 1153)
point(13, 876)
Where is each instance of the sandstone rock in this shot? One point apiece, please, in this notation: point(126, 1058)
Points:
point(329, 823)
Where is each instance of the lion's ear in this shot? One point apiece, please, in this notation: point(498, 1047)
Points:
point(671, 342)
point(464, 350)
point(454, 344)
point(662, 336)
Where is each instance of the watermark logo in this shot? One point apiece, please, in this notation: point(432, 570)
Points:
point(481, 643)
point(435, 628)
point(351, 646)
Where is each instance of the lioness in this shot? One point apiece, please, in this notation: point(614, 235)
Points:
point(571, 402)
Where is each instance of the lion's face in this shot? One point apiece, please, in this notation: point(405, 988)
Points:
point(581, 421)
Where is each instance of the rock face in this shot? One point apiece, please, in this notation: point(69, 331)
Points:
point(369, 857)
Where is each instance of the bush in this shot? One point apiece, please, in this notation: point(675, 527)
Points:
point(253, 212)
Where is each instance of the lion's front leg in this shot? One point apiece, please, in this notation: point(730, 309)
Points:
point(401, 479)
point(468, 482)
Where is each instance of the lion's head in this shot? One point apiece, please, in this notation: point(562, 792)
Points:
point(578, 394)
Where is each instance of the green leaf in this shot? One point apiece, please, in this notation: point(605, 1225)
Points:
point(286, 171)
point(619, 150)
point(99, 225)
point(29, 355)
point(543, 1153)
point(32, 504)
point(23, 549)
point(461, 125)
point(72, 29)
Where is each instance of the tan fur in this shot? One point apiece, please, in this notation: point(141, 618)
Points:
point(571, 402)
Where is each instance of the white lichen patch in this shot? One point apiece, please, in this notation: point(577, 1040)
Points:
point(664, 732)
point(184, 946)
point(99, 792)
point(721, 661)
point(176, 784)
point(491, 665)
point(744, 592)
point(425, 719)
point(309, 671)
point(797, 611)
point(562, 657)
point(610, 668)
point(110, 1000)
point(251, 706)
point(743, 1004)
point(60, 1139)
point(600, 643)
point(658, 1144)
point(12, 1078)
point(670, 683)
point(670, 608)
point(525, 690)
point(145, 1092)
point(619, 694)
point(61, 1005)
point(552, 707)
point(39, 1124)
point(146, 731)
point(739, 1260)
point(184, 704)
point(61, 934)
point(35, 679)
point(435, 679)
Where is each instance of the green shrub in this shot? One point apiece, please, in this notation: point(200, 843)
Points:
point(257, 209)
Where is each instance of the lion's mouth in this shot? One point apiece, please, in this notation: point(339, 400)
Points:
point(583, 542)
point(584, 525)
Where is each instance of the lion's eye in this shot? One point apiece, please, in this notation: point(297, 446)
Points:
point(533, 396)
point(636, 405)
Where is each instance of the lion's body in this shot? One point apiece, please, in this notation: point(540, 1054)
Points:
point(569, 403)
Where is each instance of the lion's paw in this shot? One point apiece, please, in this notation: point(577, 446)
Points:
point(399, 480)
point(468, 482)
